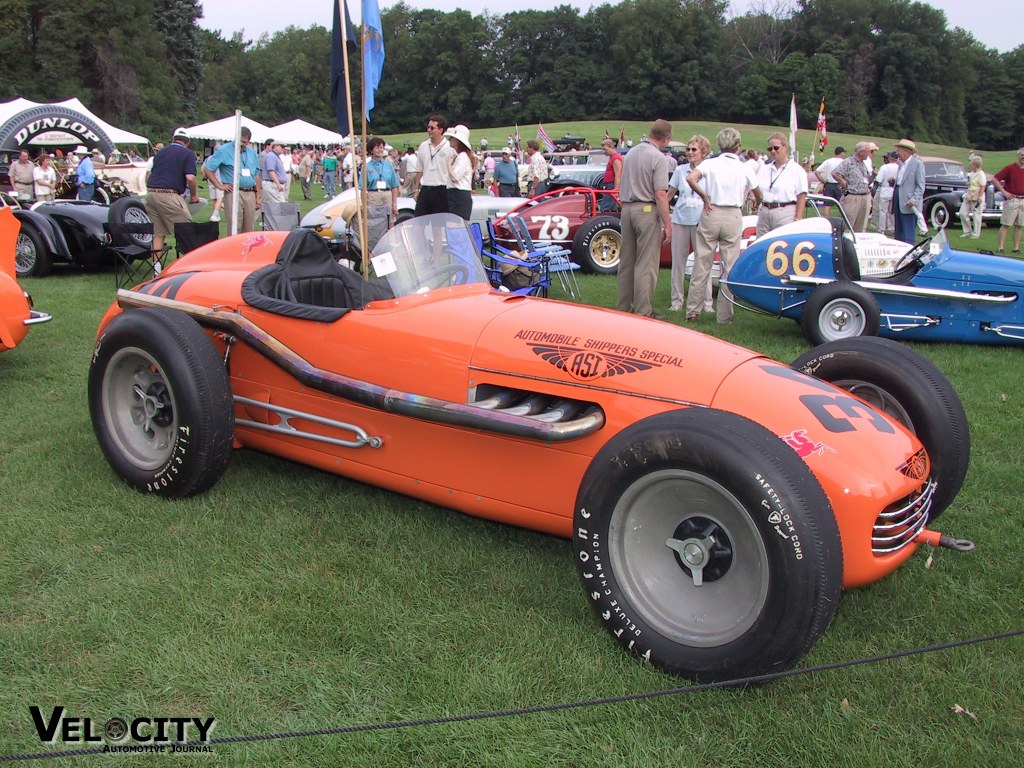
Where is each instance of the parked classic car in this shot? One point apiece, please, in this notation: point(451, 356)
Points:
point(713, 531)
point(72, 232)
point(811, 271)
point(945, 184)
point(16, 310)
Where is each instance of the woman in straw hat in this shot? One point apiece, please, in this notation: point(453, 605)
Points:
point(461, 168)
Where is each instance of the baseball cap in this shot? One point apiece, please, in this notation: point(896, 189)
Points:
point(181, 133)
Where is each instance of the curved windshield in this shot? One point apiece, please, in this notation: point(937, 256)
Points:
point(427, 252)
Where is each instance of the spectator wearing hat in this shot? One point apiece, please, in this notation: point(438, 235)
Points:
point(174, 172)
point(86, 174)
point(885, 180)
point(824, 174)
point(506, 174)
point(1010, 181)
point(220, 170)
point(461, 167)
point(908, 192)
point(434, 156)
point(272, 173)
point(44, 179)
point(855, 182)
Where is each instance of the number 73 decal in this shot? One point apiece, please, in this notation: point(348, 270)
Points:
point(552, 227)
point(778, 259)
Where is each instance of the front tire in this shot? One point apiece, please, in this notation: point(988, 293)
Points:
point(31, 259)
point(940, 215)
point(706, 546)
point(161, 403)
point(840, 310)
point(596, 245)
point(909, 388)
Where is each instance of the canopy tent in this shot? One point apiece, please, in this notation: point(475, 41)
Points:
point(62, 123)
point(224, 130)
point(300, 132)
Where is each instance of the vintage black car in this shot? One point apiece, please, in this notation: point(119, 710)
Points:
point(945, 184)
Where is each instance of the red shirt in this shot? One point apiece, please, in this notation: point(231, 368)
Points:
point(609, 171)
point(1012, 179)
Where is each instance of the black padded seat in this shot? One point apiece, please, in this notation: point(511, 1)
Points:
point(306, 282)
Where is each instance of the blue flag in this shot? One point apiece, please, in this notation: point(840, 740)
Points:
point(339, 95)
point(373, 50)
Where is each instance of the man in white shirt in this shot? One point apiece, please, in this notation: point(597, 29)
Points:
point(783, 186)
point(824, 174)
point(727, 180)
point(434, 154)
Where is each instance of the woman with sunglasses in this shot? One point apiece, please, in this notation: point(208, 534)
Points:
point(685, 216)
point(783, 187)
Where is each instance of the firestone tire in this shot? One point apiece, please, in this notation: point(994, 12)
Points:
point(31, 259)
point(840, 310)
point(707, 547)
point(912, 390)
point(596, 245)
point(161, 403)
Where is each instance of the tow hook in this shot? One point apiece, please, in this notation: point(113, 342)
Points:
point(937, 539)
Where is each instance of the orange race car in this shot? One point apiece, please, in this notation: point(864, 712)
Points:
point(717, 500)
point(16, 312)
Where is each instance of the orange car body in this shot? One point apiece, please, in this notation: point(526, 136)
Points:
point(16, 313)
point(424, 360)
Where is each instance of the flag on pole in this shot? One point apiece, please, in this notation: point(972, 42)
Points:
point(543, 138)
point(373, 51)
point(622, 137)
point(792, 126)
point(518, 142)
point(339, 95)
point(822, 127)
point(606, 134)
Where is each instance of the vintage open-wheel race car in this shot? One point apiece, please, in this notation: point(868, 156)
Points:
point(717, 501)
point(17, 313)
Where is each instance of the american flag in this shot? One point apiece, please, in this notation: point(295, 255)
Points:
point(543, 138)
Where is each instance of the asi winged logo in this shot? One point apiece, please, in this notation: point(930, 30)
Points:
point(586, 364)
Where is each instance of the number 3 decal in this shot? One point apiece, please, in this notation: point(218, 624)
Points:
point(552, 227)
point(777, 260)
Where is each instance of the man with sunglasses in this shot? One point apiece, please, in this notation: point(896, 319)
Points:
point(434, 155)
point(783, 187)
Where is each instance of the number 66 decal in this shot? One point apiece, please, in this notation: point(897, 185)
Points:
point(777, 260)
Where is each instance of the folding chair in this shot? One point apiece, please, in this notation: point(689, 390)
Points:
point(510, 271)
point(133, 245)
point(559, 262)
point(190, 235)
point(280, 217)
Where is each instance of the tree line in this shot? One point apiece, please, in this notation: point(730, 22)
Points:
point(889, 67)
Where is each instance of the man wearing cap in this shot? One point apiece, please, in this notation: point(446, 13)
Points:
point(272, 173)
point(174, 172)
point(855, 182)
point(506, 174)
point(1010, 181)
point(219, 171)
point(824, 173)
point(86, 174)
point(908, 192)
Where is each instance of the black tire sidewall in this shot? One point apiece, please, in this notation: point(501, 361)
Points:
point(195, 374)
point(932, 404)
point(116, 215)
point(824, 294)
point(766, 476)
point(582, 239)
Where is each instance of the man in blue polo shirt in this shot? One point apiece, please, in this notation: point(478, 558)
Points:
point(219, 171)
point(86, 174)
point(174, 171)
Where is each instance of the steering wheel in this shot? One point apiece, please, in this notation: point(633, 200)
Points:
point(444, 274)
point(917, 253)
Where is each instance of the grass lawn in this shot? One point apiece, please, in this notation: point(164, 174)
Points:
point(286, 599)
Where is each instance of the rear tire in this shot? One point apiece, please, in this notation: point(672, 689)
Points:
point(706, 546)
point(912, 390)
point(161, 403)
point(31, 259)
point(596, 245)
point(130, 210)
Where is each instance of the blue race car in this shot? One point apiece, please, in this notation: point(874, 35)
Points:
point(811, 271)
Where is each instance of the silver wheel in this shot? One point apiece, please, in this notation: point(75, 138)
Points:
point(139, 408)
point(25, 255)
point(685, 549)
point(840, 319)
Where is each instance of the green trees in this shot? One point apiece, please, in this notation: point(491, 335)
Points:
point(885, 66)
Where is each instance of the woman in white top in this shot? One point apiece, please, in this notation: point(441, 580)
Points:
point(685, 216)
point(44, 179)
point(974, 200)
point(461, 168)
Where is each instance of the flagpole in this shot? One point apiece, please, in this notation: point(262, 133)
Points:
point(364, 205)
point(351, 124)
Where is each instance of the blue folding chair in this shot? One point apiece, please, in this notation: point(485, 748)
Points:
point(559, 262)
point(508, 271)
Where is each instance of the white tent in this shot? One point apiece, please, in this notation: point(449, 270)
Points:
point(300, 132)
point(11, 108)
point(224, 130)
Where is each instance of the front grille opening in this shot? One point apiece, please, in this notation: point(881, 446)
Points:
point(900, 523)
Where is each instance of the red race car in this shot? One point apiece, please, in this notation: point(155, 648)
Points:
point(586, 221)
point(713, 527)
point(16, 312)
